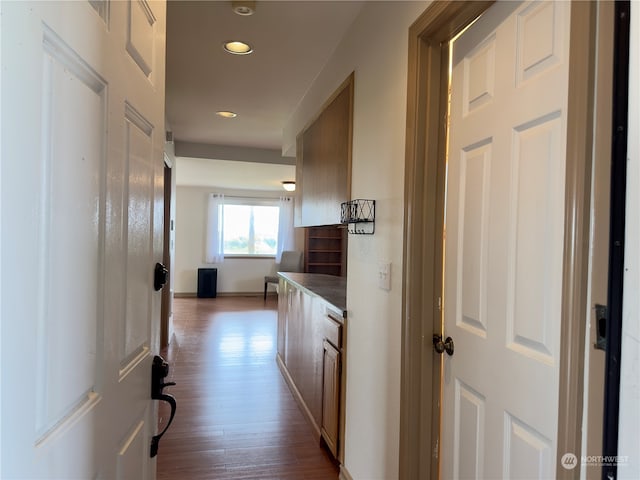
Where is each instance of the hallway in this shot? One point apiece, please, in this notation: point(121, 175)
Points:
point(236, 418)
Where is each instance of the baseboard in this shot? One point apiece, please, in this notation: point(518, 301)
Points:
point(240, 294)
point(225, 294)
point(344, 473)
point(298, 397)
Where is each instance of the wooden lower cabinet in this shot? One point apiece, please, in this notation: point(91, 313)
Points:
point(311, 350)
point(331, 396)
point(284, 305)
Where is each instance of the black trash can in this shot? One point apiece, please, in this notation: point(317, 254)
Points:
point(207, 282)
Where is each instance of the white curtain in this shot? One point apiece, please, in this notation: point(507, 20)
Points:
point(214, 248)
point(286, 238)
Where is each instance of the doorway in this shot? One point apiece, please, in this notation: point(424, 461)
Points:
point(425, 175)
point(168, 248)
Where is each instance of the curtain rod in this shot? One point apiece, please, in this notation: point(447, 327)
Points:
point(251, 198)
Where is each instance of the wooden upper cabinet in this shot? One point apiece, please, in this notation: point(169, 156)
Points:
point(323, 161)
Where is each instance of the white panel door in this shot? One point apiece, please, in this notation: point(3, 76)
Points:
point(82, 163)
point(504, 242)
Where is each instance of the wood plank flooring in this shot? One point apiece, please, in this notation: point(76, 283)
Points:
point(236, 418)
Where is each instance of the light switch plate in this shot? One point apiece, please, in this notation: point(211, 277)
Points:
point(384, 276)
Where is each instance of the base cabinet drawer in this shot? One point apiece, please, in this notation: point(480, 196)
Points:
point(331, 330)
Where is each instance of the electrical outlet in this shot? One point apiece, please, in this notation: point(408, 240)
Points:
point(384, 276)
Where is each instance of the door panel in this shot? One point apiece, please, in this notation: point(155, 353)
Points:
point(534, 255)
point(469, 431)
point(71, 197)
point(141, 31)
point(504, 228)
point(139, 191)
point(131, 461)
point(527, 453)
point(474, 177)
point(82, 162)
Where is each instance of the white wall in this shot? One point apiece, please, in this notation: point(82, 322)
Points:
point(244, 275)
point(629, 426)
point(376, 49)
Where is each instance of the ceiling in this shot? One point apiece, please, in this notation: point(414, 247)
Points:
point(291, 41)
point(232, 174)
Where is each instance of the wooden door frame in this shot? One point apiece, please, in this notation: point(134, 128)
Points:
point(165, 305)
point(423, 227)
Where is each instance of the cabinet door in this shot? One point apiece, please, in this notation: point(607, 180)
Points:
point(331, 396)
point(293, 333)
point(283, 312)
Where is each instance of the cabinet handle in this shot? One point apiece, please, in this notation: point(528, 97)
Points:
point(337, 322)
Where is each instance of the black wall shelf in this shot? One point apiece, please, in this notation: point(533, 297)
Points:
point(359, 215)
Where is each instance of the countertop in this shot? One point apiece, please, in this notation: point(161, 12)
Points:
point(329, 287)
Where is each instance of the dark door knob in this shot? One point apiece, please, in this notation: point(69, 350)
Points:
point(441, 347)
point(160, 276)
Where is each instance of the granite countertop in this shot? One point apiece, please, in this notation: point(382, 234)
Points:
point(329, 287)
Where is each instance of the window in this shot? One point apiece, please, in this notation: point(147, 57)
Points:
point(250, 229)
point(247, 227)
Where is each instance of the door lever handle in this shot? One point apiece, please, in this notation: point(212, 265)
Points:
point(441, 347)
point(155, 441)
point(159, 371)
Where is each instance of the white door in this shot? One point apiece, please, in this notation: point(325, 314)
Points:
point(82, 160)
point(504, 242)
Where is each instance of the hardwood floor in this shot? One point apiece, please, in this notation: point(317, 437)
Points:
point(236, 418)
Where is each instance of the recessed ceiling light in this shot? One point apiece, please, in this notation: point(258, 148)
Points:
point(237, 48)
point(226, 114)
point(244, 8)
